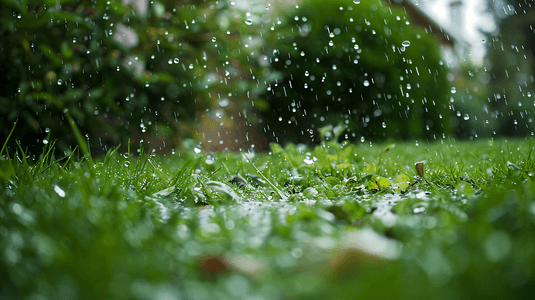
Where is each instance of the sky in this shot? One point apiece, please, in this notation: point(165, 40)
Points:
point(474, 19)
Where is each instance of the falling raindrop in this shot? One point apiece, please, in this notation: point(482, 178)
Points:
point(356, 1)
point(406, 44)
point(59, 191)
point(249, 22)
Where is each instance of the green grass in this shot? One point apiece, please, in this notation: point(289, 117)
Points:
point(334, 221)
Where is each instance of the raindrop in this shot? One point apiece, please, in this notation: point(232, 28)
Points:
point(466, 117)
point(406, 43)
point(307, 73)
point(176, 60)
point(356, 1)
point(59, 191)
point(453, 90)
point(197, 149)
point(366, 83)
point(210, 159)
point(61, 81)
point(308, 161)
point(249, 22)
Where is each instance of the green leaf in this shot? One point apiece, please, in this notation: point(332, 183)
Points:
point(378, 183)
point(51, 54)
point(223, 189)
point(331, 180)
point(6, 169)
point(310, 193)
point(383, 182)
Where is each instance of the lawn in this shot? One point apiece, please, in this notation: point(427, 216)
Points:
point(442, 220)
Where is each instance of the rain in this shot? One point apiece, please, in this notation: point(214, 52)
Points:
point(266, 149)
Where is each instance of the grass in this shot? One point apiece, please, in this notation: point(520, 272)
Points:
point(333, 221)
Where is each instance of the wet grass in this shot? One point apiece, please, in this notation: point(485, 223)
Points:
point(334, 221)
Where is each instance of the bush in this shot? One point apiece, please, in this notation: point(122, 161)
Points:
point(360, 64)
point(72, 59)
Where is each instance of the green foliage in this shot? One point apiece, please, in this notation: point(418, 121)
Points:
point(359, 63)
point(119, 71)
point(507, 73)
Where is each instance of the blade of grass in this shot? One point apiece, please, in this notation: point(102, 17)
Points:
point(8, 136)
point(79, 138)
point(44, 162)
point(69, 157)
point(23, 153)
point(273, 186)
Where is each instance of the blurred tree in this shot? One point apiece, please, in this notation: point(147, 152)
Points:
point(362, 65)
point(119, 72)
point(470, 101)
point(60, 58)
point(512, 68)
